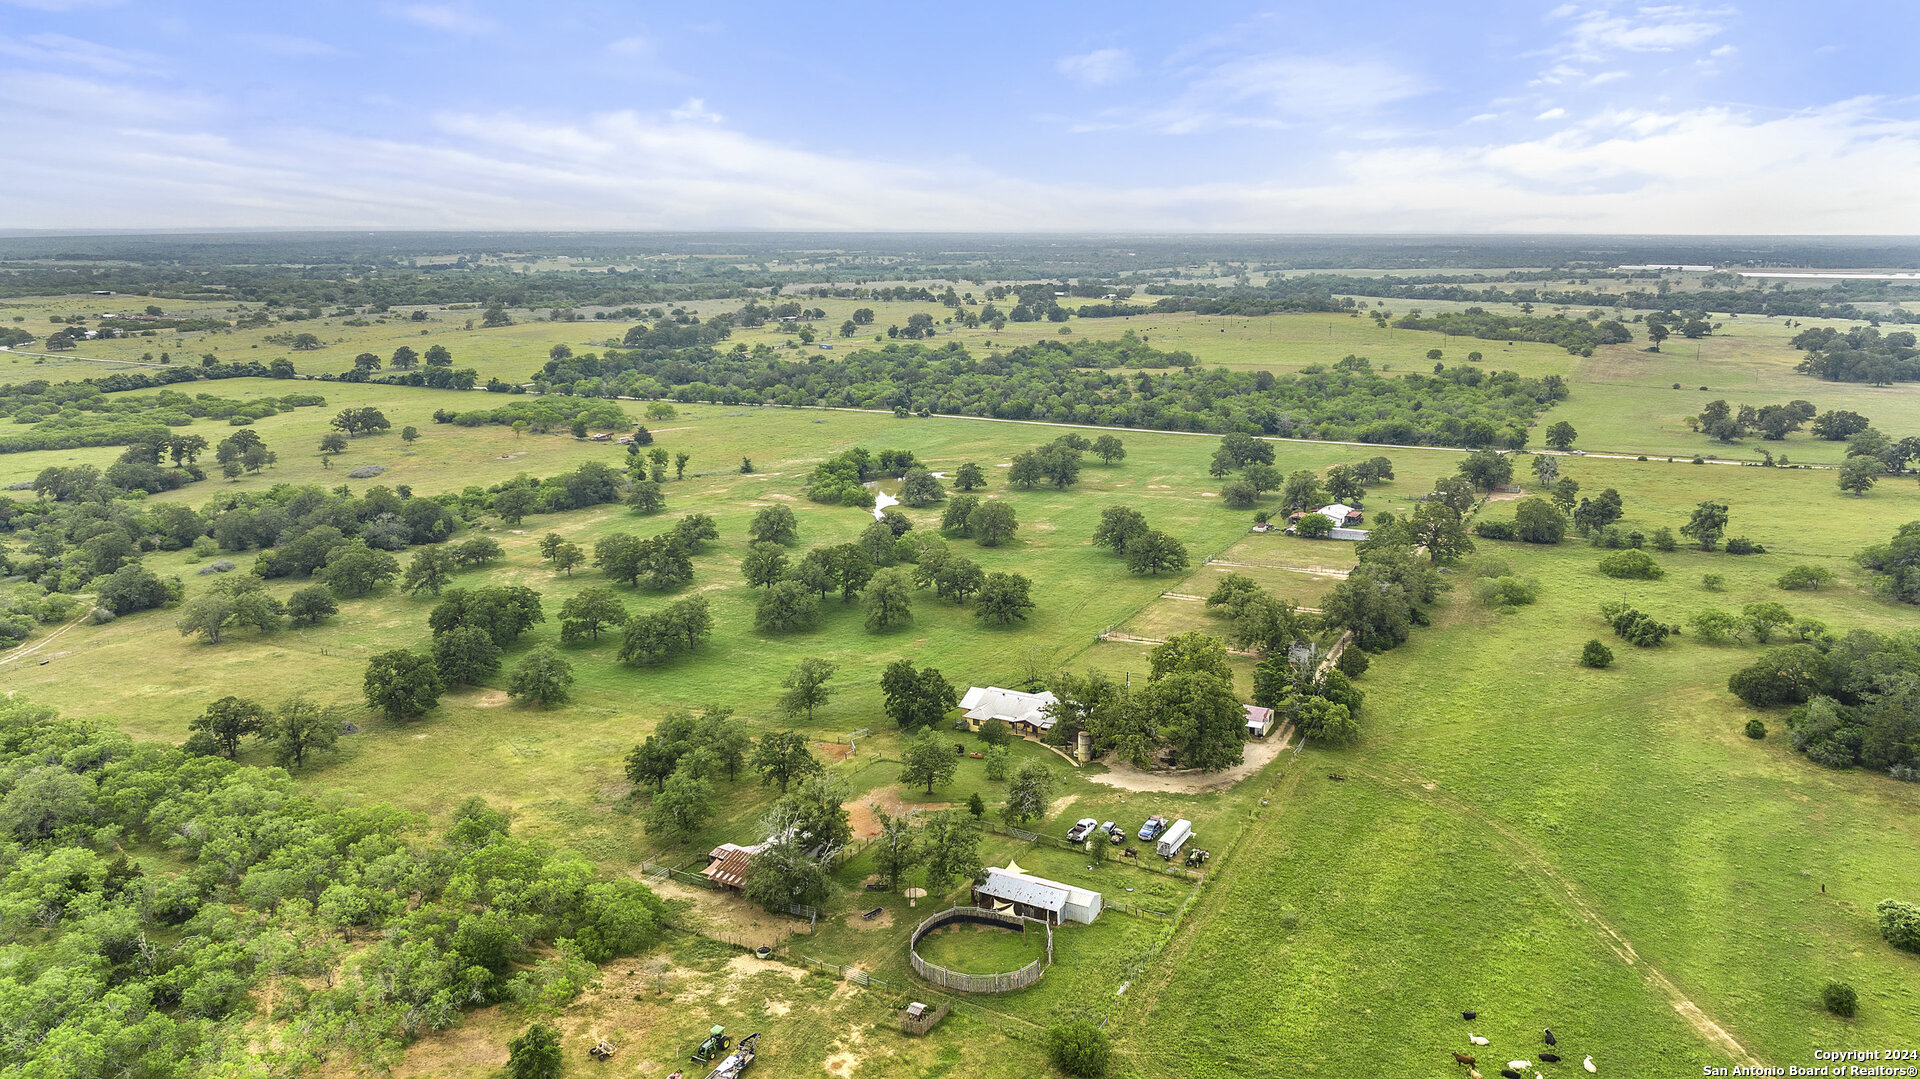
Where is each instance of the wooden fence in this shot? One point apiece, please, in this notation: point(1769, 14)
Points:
point(910, 1025)
point(978, 983)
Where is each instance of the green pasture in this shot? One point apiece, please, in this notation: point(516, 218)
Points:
point(1349, 922)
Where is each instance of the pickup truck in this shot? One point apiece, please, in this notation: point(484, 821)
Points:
point(1154, 826)
point(1082, 829)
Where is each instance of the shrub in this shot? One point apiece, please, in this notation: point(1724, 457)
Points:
point(1756, 729)
point(1900, 924)
point(1713, 582)
point(1840, 999)
point(1662, 539)
point(1743, 545)
point(996, 732)
point(1632, 565)
point(1805, 579)
point(1352, 662)
point(1505, 593)
point(1636, 628)
point(1596, 655)
point(535, 1054)
point(1078, 1048)
point(1494, 530)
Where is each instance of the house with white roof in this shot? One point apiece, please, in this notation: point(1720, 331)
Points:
point(1018, 892)
point(1344, 517)
point(1027, 713)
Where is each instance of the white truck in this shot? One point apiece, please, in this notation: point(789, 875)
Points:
point(1175, 838)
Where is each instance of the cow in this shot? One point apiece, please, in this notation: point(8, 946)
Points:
point(1588, 1064)
point(1469, 1016)
point(1509, 1073)
point(1547, 1034)
point(1464, 1061)
point(1551, 1058)
point(1476, 1039)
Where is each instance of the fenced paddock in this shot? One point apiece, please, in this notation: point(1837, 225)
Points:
point(978, 983)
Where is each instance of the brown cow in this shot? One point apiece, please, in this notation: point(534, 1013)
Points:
point(1465, 1061)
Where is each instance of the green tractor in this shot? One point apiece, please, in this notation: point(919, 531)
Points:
point(714, 1047)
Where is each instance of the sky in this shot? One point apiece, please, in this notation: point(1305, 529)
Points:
point(1388, 117)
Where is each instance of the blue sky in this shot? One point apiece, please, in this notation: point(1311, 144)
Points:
point(1387, 117)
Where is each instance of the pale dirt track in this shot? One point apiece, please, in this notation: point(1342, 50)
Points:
point(1259, 754)
point(1536, 864)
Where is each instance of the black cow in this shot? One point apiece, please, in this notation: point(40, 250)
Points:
point(1548, 1034)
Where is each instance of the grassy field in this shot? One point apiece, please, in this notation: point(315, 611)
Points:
point(1623, 398)
point(1509, 824)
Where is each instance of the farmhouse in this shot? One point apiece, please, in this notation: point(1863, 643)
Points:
point(1345, 519)
point(1259, 721)
point(1027, 713)
point(1017, 892)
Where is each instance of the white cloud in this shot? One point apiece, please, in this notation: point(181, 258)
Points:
point(1485, 117)
point(1269, 90)
point(633, 45)
point(1723, 51)
point(67, 53)
point(450, 18)
point(695, 111)
point(1097, 68)
point(1606, 77)
point(110, 155)
point(1552, 114)
point(1598, 32)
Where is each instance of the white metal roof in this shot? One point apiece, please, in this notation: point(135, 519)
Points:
point(982, 703)
point(1011, 884)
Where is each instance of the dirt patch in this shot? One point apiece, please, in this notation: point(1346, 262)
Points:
point(516, 453)
point(834, 752)
point(1259, 753)
point(729, 913)
point(492, 698)
point(882, 920)
point(784, 498)
point(778, 1007)
point(747, 966)
point(1505, 496)
point(1159, 486)
point(841, 1064)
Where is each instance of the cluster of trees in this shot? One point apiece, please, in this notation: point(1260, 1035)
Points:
point(1124, 531)
point(1058, 462)
point(1186, 715)
point(1635, 627)
point(1896, 563)
point(1763, 621)
point(989, 522)
point(875, 570)
point(152, 964)
point(1723, 423)
point(1088, 382)
point(839, 480)
point(1386, 594)
point(540, 415)
point(1322, 704)
point(1861, 354)
point(1854, 698)
point(69, 415)
point(1576, 335)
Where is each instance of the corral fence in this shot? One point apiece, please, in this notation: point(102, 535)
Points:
point(655, 871)
point(978, 983)
point(1125, 907)
point(926, 1022)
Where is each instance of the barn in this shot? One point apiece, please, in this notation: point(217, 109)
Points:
point(1017, 892)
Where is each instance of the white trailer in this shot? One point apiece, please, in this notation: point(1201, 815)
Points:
point(1175, 838)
